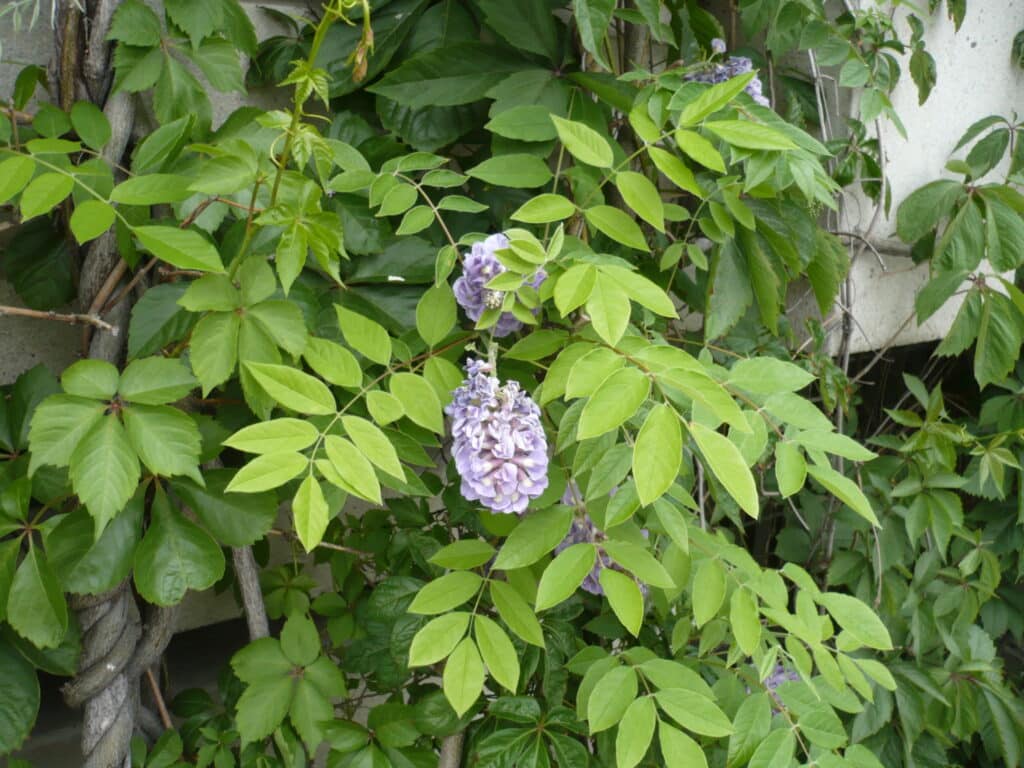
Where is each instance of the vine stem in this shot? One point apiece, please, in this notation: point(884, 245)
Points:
point(161, 706)
point(72, 318)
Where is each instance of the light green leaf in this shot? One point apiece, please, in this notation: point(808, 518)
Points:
point(364, 335)
point(544, 208)
point(643, 197)
point(214, 349)
point(609, 309)
point(515, 612)
point(728, 466)
point(310, 513)
point(435, 313)
point(352, 468)
point(635, 559)
point(657, 454)
point(104, 470)
point(748, 135)
point(694, 712)
point(374, 444)
point(744, 619)
point(91, 219)
point(57, 427)
point(463, 554)
point(845, 490)
point(625, 598)
point(438, 638)
point(790, 468)
point(776, 751)
point(636, 730)
point(574, 287)
point(182, 248)
point(564, 575)
point(419, 400)
point(593, 18)
point(751, 726)
point(641, 290)
point(270, 470)
point(612, 695)
point(498, 652)
point(525, 122)
point(166, 440)
point(446, 592)
point(583, 142)
point(156, 381)
point(384, 407)
point(699, 149)
point(712, 99)
point(277, 435)
point(152, 189)
point(678, 749)
point(675, 170)
point(857, 619)
point(15, 173)
point(293, 389)
point(44, 192)
point(332, 362)
point(617, 399)
point(463, 678)
point(834, 443)
point(283, 322)
point(95, 379)
point(708, 591)
point(616, 224)
point(516, 171)
point(767, 375)
point(534, 536)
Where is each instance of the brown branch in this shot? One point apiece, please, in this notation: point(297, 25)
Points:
point(324, 544)
point(122, 266)
point(161, 707)
point(74, 319)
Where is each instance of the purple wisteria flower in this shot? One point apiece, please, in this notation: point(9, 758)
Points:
point(732, 67)
point(779, 676)
point(479, 267)
point(583, 531)
point(500, 449)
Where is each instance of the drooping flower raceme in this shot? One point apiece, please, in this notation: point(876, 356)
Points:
point(479, 267)
point(732, 67)
point(501, 452)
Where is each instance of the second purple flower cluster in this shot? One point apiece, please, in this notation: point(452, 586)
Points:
point(730, 68)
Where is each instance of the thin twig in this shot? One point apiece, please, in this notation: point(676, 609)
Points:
point(74, 318)
point(131, 284)
point(161, 707)
point(325, 544)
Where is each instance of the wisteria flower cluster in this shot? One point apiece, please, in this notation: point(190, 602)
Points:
point(730, 68)
point(501, 451)
point(583, 531)
point(479, 267)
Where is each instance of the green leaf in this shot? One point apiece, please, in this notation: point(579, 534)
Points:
point(332, 362)
point(612, 695)
point(463, 554)
point(641, 290)
point(856, 618)
point(91, 219)
point(922, 210)
point(834, 443)
point(15, 173)
point(790, 468)
point(293, 389)
point(518, 171)
point(233, 520)
point(300, 641)
point(44, 192)
point(166, 440)
point(544, 209)
point(219, 63)
point(435, 313)
point(104, 470)
point(776, 751)
point(625, 598)
point(374, 444)
point(708, 591)
point(699, 149)
point(214, 349)
point(156, 381)
point(617, 399)
point(999, 339)
point(399, 199)
point(310, 513)
point(515, 612)
point(498, 652)
point(678, 749)
point(748, 135)
point(534, 536)
point(174, 556)
point(583, 142)
point(152, 189)
point(617, 225)
point(440, 77)
point(609, 309)
point(96, 379)
point(745, 622)
point(729, 291)
point(843, 489)
point(19, 700)
point(750, 728)
point(711, 99)
point(525, 122)
point(1005, 235)
point(463, 678)
point(135, 24)
point(352, 468)
point(767, 375)
point(445, 593)
point(182, 248)
point(635, 559)
point(419, 400)
point(36, 608)
point(727, 463)
point(384, 407)
point(575, 286)
point(283, 322)
point(643, 197)
point(564, 575)
point(415, 220)
point(274, 436)
point(528, 25)
point(58, 426)
point(268, 471)
point(593, 18)
point(636, 730)
point(364, 335)
point(438, 638)
point(676, 170)
point(657, 454)
point(262, 707)
point(694, 712)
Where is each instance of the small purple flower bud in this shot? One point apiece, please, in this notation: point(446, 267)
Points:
point(498, 441)
point(718, 45)
point(732, 67)
point(479, 267)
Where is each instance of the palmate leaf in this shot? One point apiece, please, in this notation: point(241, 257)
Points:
point(104, 470)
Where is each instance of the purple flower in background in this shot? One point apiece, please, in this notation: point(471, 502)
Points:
point(732, 67)
point(479, 267)
point(501, 452)
point(718, 45)
point(779, 676)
